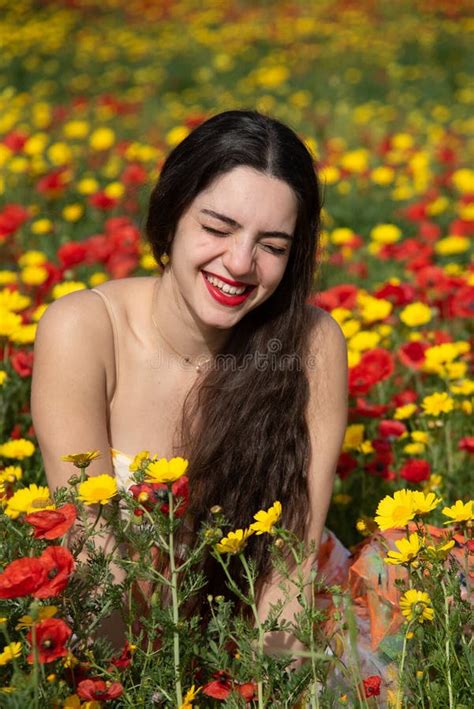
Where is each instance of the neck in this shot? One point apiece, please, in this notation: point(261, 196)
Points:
point(180, 326)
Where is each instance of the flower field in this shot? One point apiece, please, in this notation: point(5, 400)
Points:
point(94, 96)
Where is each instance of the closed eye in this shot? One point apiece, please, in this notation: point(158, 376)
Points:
point(273, 249)
point(215, 231)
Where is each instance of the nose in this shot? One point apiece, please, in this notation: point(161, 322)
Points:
point(238, 258)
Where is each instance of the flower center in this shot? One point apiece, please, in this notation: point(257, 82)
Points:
point(41, 502)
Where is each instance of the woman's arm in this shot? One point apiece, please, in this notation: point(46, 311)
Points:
point(68, 394)
point(327, 420)
point(74, 340)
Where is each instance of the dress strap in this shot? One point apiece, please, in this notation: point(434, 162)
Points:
point(113, 321)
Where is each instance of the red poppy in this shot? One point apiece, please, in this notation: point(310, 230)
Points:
point(134, 174)
point(374, 366)
point(121, 265)
point(416, 212)
point(379, 466)
point(180, 489)
point(98, 690)
point(431, 277)
point(124, 659)
point(51, 524)
point(365, 408)
point(16, 432)
point(407, 396)
point(21, 577)
point(145, 494)
point(345, 465)
point(11, 217)
point(101, 201)
point(372, 685)
point(98, 248)
point(416, 470)
point(391, 429)
point(22, 362)
point(220, 687)
point(58, 563)
point(461, 227)
point(15, 140)
point(246, 690)
point(382, 446)
point(399, 294)
point(51, 636)
point(72, 253)
point(412, 354)
point(461, 305)
point(466, 444)
point(429, 231)
point(54, 183)
point(151, 494)
point(343, 296)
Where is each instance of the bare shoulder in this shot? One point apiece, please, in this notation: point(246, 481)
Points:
point(86, 308)
point(122, 289)
point(326, 336)
point(327, 412)
point(327, 368)
point(75, 315)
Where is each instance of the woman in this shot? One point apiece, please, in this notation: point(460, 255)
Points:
point(220, 359)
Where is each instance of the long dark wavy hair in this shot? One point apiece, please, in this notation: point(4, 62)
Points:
point(244, 431)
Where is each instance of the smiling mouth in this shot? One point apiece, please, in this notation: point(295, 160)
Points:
point(226, 288)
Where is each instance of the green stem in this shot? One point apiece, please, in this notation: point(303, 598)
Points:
point(449, 446)
point(232, 585)
point(261, 635)
point(35, 663)
point(314, 686)
point(89, 531)
point(355, 666)
point(174, 599)
point(398, 702)
point(447, 647)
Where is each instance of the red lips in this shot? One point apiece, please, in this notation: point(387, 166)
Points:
point(237, 284)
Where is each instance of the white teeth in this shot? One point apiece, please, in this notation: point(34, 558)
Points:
point(224, 287)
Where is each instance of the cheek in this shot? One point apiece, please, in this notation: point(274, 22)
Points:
point(273, 274)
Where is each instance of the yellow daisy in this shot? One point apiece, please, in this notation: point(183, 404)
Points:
point(17, 448)
point(26, 621)
point(441, 551)
point(234, 542)
point(395, 512)
point(98, 489)
point(81, 460)
point(459, 512)
point(166, 471)
point(408, 550)
point(265, 520)
point(10, 652)
point(189, 697)
point(416, 605)
point(29, 499)
point(437, 403)
point(11, 474)
point(138, 460)
point(424, 503)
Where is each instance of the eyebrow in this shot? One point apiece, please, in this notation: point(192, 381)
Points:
point(231, 222)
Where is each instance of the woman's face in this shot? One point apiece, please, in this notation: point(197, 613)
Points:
point(238, 230)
